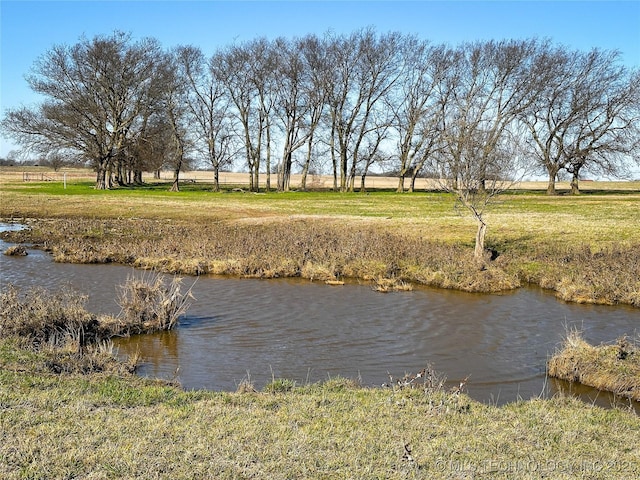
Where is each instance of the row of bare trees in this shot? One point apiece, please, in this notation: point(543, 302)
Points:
point(473, 115)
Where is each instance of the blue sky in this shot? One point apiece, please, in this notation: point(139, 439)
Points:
point(30, 28)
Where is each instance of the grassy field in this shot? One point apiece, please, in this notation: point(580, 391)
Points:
point(56, 423)
point(103, 426)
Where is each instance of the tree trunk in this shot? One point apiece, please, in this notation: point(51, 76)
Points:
point(307, 164)
point(478, 253)
point(352, 173)
point(362, 182)
point(175, 187)
point(216, 179)
point(352, 183)
point(255, 183)
point(551, 186)
point(400, 188)
point(412, 184)
point(305, 172)
point(343, 169)
point(284, 173)
point(120, 178)
point(101, 178)
point(575, 188)
point(109, 177)
point(268, 159)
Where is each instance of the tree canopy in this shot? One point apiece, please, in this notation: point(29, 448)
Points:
point(470, 114)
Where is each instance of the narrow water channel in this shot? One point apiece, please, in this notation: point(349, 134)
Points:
point(239, 329)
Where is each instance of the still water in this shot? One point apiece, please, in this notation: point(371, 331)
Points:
point(239, 329)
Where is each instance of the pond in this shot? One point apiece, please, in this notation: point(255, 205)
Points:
point(258, 330)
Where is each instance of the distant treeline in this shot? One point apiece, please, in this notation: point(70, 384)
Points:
point(341, 104)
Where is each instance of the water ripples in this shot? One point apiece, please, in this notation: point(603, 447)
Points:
point(296, 329)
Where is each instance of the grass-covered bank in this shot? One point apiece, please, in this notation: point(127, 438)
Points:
point(330, 247)
point(614, 368)
point(119, 426)
point(67, 338)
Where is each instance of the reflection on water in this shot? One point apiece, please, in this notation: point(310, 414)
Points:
point(296, 329)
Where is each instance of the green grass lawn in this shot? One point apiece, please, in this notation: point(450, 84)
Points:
point(593, 218)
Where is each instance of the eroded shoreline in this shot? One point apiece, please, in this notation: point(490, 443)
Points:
point(323, 249)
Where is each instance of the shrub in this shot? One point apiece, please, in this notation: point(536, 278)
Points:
point(68, 338)
point(148, 304)
point(45, 317)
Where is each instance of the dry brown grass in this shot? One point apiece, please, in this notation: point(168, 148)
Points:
point(325, 249)
point(16, 251)
point(55, 324)
point(318, 250)
point(44, 317)
point(73, 340)
point(386, 284)
point(578, 273)
point(614, 368)
point(150, 303)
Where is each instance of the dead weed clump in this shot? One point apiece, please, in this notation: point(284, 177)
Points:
point(151, 304)
point(45, 318)
point(385, 284)
point(580, 274)
point(427, 379)
point(73, 340)
point(56, 324)
point(16, 251)
point(614, 367)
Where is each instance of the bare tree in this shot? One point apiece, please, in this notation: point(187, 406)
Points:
point(291, 104)
point(485, 92)
point(174, 108)
point(242, 70)
point(94, 92)
point(365, 68)
point(151, 150)
point(417, 106)
point(586, 114)
point(606, 130)
point(56, 160)
point(299, 99)
point(208, 105)
point(552, 113)
point(262, 73)
point(457, 112)
point(314, 56)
